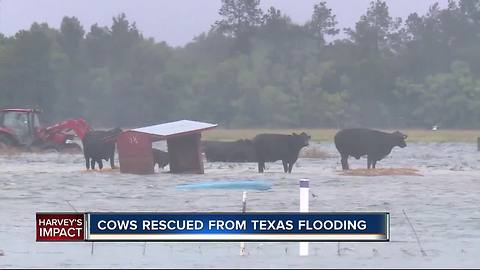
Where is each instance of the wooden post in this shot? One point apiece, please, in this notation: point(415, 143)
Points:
point(244, 209)
point(304, 208)
point(184, 153)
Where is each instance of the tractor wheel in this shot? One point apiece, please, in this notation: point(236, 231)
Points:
point(6, 142)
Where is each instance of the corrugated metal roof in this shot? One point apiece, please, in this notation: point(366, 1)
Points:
point(175, 128)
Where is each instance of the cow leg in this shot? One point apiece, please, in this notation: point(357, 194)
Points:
point(92, 163)
point(374, 162)
point(100, 164)
point(112, 162)
point(344, 162)
point(87, 162)
point(261, 166)
point(285, 166)
point(369, 162)
point(290, 167)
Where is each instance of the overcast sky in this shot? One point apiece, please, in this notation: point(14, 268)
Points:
point(176, 21)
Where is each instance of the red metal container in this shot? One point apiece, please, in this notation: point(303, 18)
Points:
point(135, 153)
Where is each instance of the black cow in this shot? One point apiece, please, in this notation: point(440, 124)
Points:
point(236, 151)
point(98, 145)
point(273, 147)
point(160, 157)
point(357, 142)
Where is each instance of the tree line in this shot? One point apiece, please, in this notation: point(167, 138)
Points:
point(256, 68)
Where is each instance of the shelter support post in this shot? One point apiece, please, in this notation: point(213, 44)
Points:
point(184, 153)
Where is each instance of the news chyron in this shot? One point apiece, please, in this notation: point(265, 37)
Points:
point(226, 226)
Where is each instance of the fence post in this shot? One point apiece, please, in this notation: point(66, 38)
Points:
point(244, 209)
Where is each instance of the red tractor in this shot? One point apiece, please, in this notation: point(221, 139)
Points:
point(21, 128)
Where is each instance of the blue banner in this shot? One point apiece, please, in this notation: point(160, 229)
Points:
point(238, 226)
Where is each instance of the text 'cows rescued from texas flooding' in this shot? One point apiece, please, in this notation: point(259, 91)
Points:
point(231, 225)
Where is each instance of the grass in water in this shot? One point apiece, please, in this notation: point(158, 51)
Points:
point(325, 135)
point(314, 152)
point(382, 171)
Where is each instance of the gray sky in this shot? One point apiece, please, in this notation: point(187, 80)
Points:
point(175, 21)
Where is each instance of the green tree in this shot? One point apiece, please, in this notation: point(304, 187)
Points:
point(376, 30)
point(239, 20)
point(71, 37)
point(323, 22)
point(98, 46)
point(124, 35)
point(29, 80)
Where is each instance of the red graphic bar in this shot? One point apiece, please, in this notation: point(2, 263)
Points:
point(60, 227)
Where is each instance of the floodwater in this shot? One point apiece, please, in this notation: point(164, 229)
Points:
point(442, 205)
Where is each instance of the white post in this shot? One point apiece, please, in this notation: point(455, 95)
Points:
point(244, 209)
point(304, 205)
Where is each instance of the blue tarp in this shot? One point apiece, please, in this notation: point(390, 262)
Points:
point(233, 184)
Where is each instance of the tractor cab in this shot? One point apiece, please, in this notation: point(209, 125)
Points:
point(19, 125)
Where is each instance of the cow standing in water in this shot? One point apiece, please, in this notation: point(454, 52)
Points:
point(236, 151)
point(357, 142)
point(273, 147)
point(98, 145)
point(160, 158)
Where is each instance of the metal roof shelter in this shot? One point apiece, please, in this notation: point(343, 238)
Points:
point(183, 142)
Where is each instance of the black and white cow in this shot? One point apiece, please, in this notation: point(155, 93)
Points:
point(160, 158)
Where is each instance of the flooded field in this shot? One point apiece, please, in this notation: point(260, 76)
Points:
point(442, 203)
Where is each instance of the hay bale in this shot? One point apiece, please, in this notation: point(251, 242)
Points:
point(313, 152)
point(104, 170)
point(382, 172)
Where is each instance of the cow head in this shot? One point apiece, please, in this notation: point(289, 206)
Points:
point(116, 130)
point(112, 134)
point(400, 139)
point(301, 139)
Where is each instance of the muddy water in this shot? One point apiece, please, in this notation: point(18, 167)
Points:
point(443, 206)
